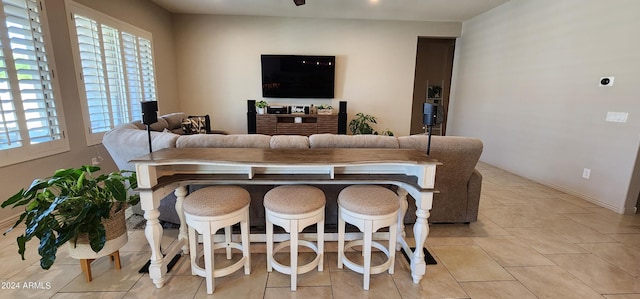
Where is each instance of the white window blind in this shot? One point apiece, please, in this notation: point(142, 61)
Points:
point(115, 63)
point(30, 122)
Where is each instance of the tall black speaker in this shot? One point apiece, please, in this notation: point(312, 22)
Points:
point(342, 118)
point(251, 116)
point(149, 112)
point(149, 116)
point(430, 114)
point(429, 120)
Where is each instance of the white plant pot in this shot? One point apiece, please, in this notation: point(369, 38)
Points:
point(84, 251)
point(116, 234)
point(260, 110)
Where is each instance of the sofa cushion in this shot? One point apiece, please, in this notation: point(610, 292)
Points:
point(174, 120)
point(289, 141)
point(138, 124)
point(157, 126)
point(129, 126)
point(178, 131)
point(127, 144)
point(352, 141)
point(229, 141)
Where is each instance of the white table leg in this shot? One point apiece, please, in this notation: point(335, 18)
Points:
point(183, 235)
point(153, 232)
point(402, 199)
point(420, 233)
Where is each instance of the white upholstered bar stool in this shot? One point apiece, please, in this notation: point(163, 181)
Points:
point(206, 211)
point(369, 208)
point(294, 207)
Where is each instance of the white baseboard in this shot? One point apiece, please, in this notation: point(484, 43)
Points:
point(590, 199)
point(619, 210)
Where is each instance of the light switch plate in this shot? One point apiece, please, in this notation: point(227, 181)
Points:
point(617, 117)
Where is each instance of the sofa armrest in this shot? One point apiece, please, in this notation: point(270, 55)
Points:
point(125, 145)
point(473, 195)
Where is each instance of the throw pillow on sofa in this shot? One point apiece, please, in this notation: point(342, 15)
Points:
point(195, 125)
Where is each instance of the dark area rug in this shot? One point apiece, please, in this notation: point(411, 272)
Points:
point(136, 221)
point(428, 258)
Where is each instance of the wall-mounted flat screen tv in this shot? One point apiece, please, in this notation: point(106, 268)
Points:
point(298, 76)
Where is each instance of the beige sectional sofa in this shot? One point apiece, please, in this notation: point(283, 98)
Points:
point(457, 181)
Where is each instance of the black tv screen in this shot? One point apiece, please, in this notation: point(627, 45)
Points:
point(297, 76)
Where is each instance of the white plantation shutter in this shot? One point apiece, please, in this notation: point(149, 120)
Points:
point(115, 63)
point(132, 69)
point(10, 129)
point(115, 74)
point(30, 125)
point(146, 67)
point(93, 72)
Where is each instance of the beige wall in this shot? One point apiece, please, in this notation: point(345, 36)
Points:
point(218, 63)
point(141, 13)
point(526, 83)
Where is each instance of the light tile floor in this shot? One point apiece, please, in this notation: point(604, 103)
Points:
point(530, 241)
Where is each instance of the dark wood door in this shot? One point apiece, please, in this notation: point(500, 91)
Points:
point(432, 80)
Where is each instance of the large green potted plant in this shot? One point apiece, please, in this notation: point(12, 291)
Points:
point(362, 124)
point(73, 203)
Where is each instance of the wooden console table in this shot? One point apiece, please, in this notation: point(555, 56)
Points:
point(170, 170)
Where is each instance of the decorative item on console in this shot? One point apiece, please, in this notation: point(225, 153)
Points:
point(325, 109)
point(299, 109)
point(261, 105)
point(277, 109)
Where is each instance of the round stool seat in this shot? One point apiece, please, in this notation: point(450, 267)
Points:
point(216, 201)
point(294, 199)
point(368, 200)
point(369, 208)
point(206, 211)
point(294, 207)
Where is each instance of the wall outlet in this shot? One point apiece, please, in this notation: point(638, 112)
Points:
point(586, 173)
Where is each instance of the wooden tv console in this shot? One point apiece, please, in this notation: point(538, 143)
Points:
point(285, 124)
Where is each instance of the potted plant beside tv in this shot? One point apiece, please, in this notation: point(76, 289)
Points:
point(362, 124)
point(325, 109)
point(261, 105)
point(78, 207)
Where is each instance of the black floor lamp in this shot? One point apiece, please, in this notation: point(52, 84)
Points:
point(149, 116)
point(429, 120)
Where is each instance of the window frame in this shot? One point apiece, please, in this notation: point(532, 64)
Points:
point(28, 151)
point(72, 8)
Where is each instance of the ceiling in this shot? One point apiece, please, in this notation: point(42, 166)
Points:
point(406, 10)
